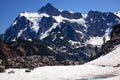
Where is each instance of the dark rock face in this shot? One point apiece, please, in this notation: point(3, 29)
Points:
point(69, 32)
point(99, 21)
point(69, 15)
point(77, 15)
point(45, 24)
point(116, 31)
point(13, 30)
point(49, 9)
point(2, 69)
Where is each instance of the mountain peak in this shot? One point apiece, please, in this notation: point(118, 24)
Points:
point(49, 5)
point(49, 9)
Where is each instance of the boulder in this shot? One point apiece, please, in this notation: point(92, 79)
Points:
point(11, 72)
point(28, 70)
point(2, 68)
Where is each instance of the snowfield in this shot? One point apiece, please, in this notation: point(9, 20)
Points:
point(62, 73)
point(103, 68)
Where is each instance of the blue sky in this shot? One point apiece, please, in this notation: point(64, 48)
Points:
point(9, 9)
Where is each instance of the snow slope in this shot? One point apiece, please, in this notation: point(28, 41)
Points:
point(93, 70)
point(111, 59)
point(60, 73)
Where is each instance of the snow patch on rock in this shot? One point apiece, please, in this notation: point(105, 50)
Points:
point(49, 30)
point(34, 18)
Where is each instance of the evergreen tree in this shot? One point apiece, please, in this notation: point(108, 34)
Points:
point(96, 51)
point(104, 40)
point(113, 35)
